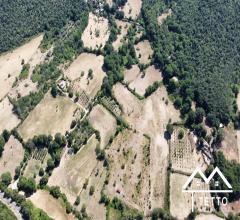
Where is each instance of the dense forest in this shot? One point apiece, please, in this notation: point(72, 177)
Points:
point(21, 19)
point(198, 44)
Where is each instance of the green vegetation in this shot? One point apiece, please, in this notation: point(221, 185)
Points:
point(25, 71)
point(2, 143)
point(231, 171)
point(79, 136)
point(23, 19)
point(24, 105)
point(6, 213)
point(28, 210)
point(27, 185)
point(124, 212)
point(198, 45)
point(6, 178)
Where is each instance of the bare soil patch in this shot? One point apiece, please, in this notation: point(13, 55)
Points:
point(207, 217)
point(130, 169)
point(8, 120)
point(10, 63)
point(96, 33)
point(43, 200)
point(78, 72)
point(123, 26)
point(73, 170)
point(143, 81)
point(12, 156)
point(144, 51)
point(50, 116)
point(131, 74)
point(230, 146)
point(181, 203)
point(104, 122)
point(233, 207)
point(150, 117)
point(132, 9)
point(164, 16)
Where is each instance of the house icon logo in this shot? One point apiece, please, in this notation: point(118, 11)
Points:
point(207, 180)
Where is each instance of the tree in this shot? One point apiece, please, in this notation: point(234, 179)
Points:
point(28, 185)
point(77, 202)
point(6, 135)
point(90, 74)
point(6, 178)
point(169, 128)
point(54, 90)
point(180, 134)
point(2, 143)
point(91, 190)
point(200, 113)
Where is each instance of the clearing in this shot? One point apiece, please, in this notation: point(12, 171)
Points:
point(8, 120)
point(144, 80)
point(50, 116)
point(78, 72)
point(104, 122)
point(163, 16)
point(43, 200)
point(144, 51)
point(207, 217)
point(132, 9)
point(123, 26)
point(230, 146)
point(12, 156)
point(10, 63)
point(96, 33)
point(74, 170)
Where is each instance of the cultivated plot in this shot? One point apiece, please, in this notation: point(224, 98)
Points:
point(50, 116)
point(96, 33)
point(8, 120)
point(12, 156)
point(104, 122)
point(144, 51)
